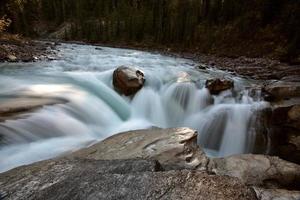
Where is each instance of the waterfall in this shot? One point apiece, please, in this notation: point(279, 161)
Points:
point(95, 111)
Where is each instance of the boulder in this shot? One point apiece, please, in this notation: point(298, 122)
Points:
point(116, 179)
point(128, 80)
point(273, 194)
point(285, 132)
point(283, 90)
point(216, 86)
point(174, 148)
point(258, 170)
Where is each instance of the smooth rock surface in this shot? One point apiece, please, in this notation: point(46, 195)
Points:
point(128, 80)
point(118, 179)
point(11, 108)
point(259, 170)
point(276, 194)
point(174, 148)
point(283, 89)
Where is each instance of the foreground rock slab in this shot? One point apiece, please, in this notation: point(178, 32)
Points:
point(115, 179)
point(174, 148)
point(128, 80)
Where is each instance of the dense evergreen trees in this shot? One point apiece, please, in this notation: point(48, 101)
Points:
point(200, 24)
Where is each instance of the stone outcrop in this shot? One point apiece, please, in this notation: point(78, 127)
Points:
point(128, 80)
point(258, 170)
point(174, 148)
point(216, 86)
point(152, 164)
point(280, 90)
point(116, 179)
point(285, 130)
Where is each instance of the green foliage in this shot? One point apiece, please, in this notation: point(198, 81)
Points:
point(4, 24)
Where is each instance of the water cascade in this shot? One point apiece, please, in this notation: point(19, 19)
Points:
point(94, 111)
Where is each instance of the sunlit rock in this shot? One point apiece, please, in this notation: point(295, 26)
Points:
point(12, 58)
point(174, 148)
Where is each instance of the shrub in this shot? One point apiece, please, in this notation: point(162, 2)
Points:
point(4, 24)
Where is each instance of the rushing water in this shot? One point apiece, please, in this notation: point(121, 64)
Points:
point(94, 111)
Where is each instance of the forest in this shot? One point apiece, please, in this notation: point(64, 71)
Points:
point(225, 27)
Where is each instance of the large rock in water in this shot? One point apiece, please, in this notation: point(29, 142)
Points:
point(115, 179)
point(128, 80)
point(216, 86)
point(174, 148)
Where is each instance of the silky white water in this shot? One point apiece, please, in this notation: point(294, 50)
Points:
point(94, 111)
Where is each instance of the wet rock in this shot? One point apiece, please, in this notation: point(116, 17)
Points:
point(283, 90)
point(99, 48)
point(258, 170)
point(216, 86)
point(116, 179)
point(260, 127)
point(174, 148)
point(128, 80)
point(201, 66)
point(273, 194)
point(13, 107)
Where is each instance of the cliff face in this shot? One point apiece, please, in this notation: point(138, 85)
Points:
point(231, 28)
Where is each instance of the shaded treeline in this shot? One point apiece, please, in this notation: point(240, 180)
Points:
point(229, 27)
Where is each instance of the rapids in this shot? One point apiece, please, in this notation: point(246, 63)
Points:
point(83, 76)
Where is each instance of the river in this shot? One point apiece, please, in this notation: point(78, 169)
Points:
point(83, 77)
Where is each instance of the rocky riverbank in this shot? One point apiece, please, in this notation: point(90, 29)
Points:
point(152, 164)
point(18, 49)
point(260, 68)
